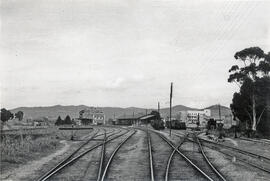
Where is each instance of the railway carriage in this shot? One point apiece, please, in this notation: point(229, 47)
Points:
point(176, 124)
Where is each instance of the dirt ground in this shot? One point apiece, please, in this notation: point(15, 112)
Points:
point(132, 162)
point(234, 170)
point(247, 145)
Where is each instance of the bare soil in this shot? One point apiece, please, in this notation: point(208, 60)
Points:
point(131, 161)
point(233, 169)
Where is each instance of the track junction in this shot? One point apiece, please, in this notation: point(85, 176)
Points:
point(142, 153)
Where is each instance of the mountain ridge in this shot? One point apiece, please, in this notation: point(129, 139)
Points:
point(52, 112)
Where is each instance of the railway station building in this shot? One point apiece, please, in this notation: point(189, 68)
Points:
point(191, 117)
point(128, 120)
point(92, 115)
point(138, 119)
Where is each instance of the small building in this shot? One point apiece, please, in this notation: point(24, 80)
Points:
point(92, 116)
point(41, 121)
point(128, 120)
point(194, 118)
point(220, 114)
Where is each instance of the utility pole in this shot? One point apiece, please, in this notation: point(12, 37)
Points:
point(133, 118)
point(158, 107)
point(171, 92)
point(114, 121)
point(220, 123)
point(219, 112)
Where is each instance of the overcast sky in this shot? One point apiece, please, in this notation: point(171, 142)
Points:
point(125, 52)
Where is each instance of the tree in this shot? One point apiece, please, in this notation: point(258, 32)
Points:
point(262, 92)
point(67, 120)
point(59, 121)
point(255, 65)
point(6, 115)
point(19, 115)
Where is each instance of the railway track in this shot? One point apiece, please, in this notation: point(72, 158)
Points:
point(150, 153)
point(254, 160)
point(102, 155)
point(262, 141)
point(184, 161)
point(81, 151)
point(149, 144)
point(237, 150)
point(208, 161)
point(171, 157)
point(194, 164)
point(195, 152)
point(112, 155)
point(200, 167)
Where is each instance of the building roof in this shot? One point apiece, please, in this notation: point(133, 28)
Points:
point(135, 116)
point(40, 119)
point(147, 117)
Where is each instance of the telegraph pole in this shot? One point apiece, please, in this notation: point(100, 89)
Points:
point(219, 113)
point(220, 122)
point(158, 107)
point(133, 118)
point(171, 91)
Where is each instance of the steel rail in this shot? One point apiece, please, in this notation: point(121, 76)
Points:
point(66, 163)
point(149, 146)
point(113, 154)
point(69, 157)
point(232, 148)
point(238, 150)
point(101, 157)
point(170, 158)
point(73, 153)
point(240, 159)
point(208, 161)
point(150, 156)
point(255, 140)
point(206, 158)
point(186, 158)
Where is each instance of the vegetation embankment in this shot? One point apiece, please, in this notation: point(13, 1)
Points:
point(19, 148)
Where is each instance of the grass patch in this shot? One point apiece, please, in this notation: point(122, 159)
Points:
point(16, 150)
point(22, 146)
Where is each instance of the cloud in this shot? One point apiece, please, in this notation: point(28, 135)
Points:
point(125, 53)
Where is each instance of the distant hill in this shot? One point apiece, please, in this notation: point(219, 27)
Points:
point(215, 110)
point(52, 112)
point(175, 110)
